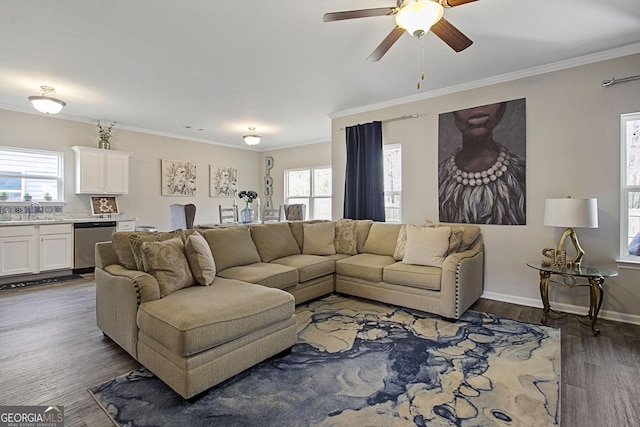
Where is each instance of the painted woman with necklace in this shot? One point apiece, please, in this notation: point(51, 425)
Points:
point(482, 182)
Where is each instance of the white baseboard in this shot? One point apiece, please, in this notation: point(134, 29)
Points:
point(567, 308)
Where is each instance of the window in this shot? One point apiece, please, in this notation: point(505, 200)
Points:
point(393, 182)
point(35, 172)
point(312, 187)
point(630, 188)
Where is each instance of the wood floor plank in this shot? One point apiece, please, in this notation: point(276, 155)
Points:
point(51, 352)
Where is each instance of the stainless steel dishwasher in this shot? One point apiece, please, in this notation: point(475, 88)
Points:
point(85, 237)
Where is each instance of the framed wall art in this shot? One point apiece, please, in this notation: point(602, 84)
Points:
point(223, 181)
point(104, 205)
point(482, 166)
point(178, 178)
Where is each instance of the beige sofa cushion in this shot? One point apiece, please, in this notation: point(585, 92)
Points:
point(363, 226)
point(469, 235)
point(297, 229)
point(426, 245)
point(122, 245)
point(274, 240)
point(346, 241)
point(416, 276)
point(364, 266)
point(308, 266)
point(267, 274)
point(200, 258)
point(454, 240)
point(231, 246)
point(166, 261)
point(382, 239)
point(318, 238)
point(199, 318)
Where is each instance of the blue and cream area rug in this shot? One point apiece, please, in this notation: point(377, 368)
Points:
point(360, 363)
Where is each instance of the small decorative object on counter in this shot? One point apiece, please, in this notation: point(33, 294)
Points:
point(48, 197)
point(27, 197)
point(105, 134)
point(246, 214)
point(4, 195)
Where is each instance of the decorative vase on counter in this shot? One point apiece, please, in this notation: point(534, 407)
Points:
point(104, 144)
point(246, 214)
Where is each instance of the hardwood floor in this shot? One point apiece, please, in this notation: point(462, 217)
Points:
point(51, 352)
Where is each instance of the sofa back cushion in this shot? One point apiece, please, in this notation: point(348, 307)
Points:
point(167, 262)
point(274, 240)
point(318, 238)
point(122, 245)
point(468, 234)
point(363, 226)
point(346, 240)
point(231, 246)
point(382, 239)
point(297, 229)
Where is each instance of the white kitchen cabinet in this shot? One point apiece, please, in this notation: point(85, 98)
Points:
point(101, 171)
point(17, 250)
point(56, 247)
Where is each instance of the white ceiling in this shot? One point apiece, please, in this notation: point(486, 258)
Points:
point(161, 65)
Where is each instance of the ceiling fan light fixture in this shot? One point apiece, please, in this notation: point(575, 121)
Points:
point(417, 16)
point(252, 138)
point(46, 103)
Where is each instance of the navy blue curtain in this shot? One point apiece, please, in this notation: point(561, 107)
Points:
point(364, 178)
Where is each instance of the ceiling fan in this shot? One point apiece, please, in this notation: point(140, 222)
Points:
point(414, 16)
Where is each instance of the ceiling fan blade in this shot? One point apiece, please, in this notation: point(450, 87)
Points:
point(364, 13)
point(454, 3)
point(451, 35)
point(386, 44)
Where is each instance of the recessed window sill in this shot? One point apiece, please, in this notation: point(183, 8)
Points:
point(629, 264)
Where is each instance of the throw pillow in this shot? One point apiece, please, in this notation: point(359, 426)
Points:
point(135, 240)
point(346, 241)
point(318, 238)
point(401, 243)
point(166, 261)
point(426, 246)
point(200, 259)
point(382, 239)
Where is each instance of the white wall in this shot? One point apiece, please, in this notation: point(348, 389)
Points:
point(573, 143)
point(144, 201)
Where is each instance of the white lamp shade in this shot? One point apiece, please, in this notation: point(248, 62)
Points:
point(569, 212)
point(417, 16)
point(47, 104)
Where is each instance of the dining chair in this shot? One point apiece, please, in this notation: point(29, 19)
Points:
point(272, 214)
point(228, 215)
point(182, 216)
point(295, 211)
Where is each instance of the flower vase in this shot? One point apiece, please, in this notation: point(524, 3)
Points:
point(104, 144)
point(246, 214)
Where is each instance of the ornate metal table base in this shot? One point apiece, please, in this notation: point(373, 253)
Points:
point(595, 300)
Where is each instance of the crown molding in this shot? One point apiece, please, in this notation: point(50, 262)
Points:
point(619, 52)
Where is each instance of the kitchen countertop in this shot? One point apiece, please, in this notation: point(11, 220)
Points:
point(61, 221)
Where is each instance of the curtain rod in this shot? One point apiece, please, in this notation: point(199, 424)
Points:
point(613, 81)
point(410, 116)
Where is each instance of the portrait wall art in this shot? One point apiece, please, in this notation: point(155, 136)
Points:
point(178, 178)
point(223, 181)
point(482, 164)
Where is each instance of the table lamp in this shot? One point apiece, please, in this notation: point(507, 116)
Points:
point(570, 213)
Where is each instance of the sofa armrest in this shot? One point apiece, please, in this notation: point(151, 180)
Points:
point(119, 292)
point(462, 280)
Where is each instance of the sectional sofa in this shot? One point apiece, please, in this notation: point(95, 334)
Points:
point(198, 306)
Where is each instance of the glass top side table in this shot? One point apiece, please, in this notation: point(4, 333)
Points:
point(594, 275)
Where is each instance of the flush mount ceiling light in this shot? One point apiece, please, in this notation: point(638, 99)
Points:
point(417, 16)
point(46, 103)
point(252, 138)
